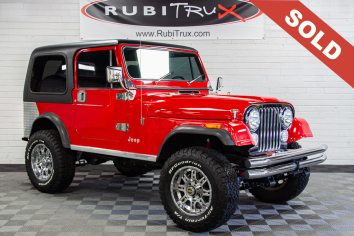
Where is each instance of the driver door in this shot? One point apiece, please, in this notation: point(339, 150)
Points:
point(97, 111)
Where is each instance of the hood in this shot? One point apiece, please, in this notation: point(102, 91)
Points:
point(200, 106)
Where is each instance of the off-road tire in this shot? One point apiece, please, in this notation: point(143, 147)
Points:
point(294, 145)
point(223, 180)
point(130, 170)
point(63, 162)
point(292, 188)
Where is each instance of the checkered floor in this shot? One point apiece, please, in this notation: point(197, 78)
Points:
point(100, 201)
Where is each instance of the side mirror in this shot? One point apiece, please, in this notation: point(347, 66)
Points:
point(219, 85)
point(114, 74)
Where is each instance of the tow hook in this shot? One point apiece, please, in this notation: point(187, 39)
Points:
point(304, 171)
point(297, 162)
point(271, 181)
point(307, 171)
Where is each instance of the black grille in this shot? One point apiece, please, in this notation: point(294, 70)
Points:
point(269, 129)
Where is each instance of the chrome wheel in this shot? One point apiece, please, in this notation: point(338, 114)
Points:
point(42, 162)
point(191, 190)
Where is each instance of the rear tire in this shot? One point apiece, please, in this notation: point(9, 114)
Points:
point(129, 169)
point(207, 180)
point(290, 189)
point(50, 166)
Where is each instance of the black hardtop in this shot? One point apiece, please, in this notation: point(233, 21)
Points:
point(69, 49)
point(167, 45)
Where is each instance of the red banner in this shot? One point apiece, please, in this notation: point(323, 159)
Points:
point(313, 33)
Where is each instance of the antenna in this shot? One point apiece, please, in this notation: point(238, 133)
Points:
point(141, 90)
point(110, 63)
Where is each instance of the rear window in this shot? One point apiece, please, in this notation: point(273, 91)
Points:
point(49, 74)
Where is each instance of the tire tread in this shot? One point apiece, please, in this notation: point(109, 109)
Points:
point(64, 168)
point(225, 178)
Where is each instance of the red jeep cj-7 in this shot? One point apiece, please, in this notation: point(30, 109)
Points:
point(148, 105)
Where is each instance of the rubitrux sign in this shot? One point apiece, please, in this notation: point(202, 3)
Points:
point(156, 19)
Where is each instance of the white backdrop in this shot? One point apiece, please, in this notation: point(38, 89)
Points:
point(277, 66)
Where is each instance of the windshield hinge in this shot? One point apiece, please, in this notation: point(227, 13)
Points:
point(122, 127)
point(122, 96)
point(142, 121)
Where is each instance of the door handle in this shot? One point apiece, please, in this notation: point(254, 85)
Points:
point(81, 96)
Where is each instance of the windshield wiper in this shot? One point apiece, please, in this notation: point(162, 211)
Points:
point(170, 73)
point(165, 76)
point(189, 83)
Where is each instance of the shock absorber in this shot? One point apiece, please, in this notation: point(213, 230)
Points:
point(208, 144)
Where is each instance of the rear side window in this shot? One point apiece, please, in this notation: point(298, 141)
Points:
point(49, 74)
point(92, 68)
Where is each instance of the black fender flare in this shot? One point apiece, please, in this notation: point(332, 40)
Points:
point(58, 123)
point(223, 135)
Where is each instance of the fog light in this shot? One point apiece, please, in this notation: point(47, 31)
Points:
point(284, 136)
point(255, 138)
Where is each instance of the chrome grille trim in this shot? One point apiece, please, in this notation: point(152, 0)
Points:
point(269, 129)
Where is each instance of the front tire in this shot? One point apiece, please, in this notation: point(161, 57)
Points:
point(199, 189)
point(50, 166)
point(290, 189)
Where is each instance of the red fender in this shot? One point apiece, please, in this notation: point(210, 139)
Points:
point(299, 129)
point(240, 133)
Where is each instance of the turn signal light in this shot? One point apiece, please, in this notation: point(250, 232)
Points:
point(212, 126)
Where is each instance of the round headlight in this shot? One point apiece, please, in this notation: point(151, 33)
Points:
point(287, 117)
point(253, 119)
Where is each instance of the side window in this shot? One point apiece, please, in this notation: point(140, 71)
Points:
point(92, 68)
point(49, 74)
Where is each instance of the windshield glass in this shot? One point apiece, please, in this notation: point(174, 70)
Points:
point(154, 64)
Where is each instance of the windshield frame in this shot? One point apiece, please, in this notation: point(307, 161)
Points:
point(163, 49)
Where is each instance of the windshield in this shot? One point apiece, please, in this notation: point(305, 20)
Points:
point(155, 64)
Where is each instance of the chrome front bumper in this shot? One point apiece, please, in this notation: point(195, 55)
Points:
point(282, 157)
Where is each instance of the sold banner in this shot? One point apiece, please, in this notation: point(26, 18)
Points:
point(164, 20)
point(313, 33)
